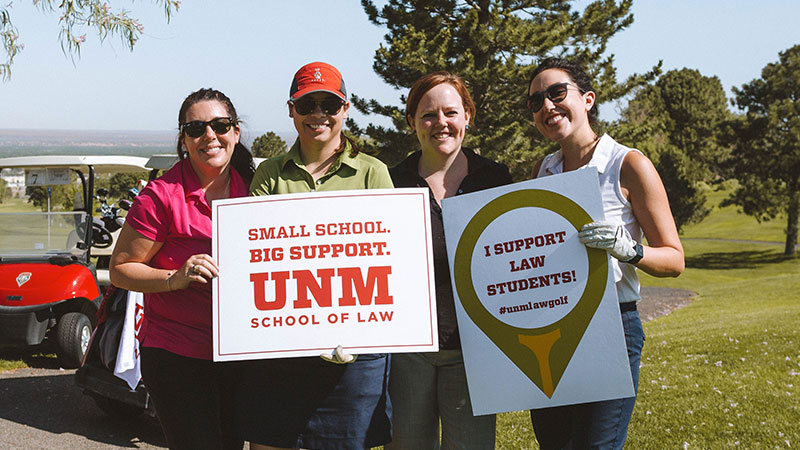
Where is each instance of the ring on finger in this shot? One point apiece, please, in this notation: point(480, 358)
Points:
point(194, 268)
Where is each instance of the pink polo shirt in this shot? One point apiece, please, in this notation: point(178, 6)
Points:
point(173, 210)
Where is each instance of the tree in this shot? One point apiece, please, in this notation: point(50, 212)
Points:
point(120, 183)
point(268, 145)
point(75, 16)
point(61, 196)
point(492, 44)
point(766, 153)
point(677, 122)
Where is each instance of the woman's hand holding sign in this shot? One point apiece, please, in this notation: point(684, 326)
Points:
point(339, 356)
point(612, 237)
point(200, 268)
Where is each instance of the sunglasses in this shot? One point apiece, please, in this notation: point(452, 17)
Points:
point(556, 93)
point(197, 128)
point(329, 105)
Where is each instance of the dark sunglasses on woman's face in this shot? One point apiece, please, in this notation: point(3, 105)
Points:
point(329, 105)
point(196, 128)
point(556, 93)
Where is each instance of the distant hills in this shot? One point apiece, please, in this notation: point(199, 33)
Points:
point(17, 142)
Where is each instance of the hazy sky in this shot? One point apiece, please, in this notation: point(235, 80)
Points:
point(250, 50)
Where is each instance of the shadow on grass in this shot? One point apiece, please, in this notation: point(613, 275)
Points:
point(36, 357)
point(735, 260)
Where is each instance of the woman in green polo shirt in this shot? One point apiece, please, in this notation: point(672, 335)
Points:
point(337, 401)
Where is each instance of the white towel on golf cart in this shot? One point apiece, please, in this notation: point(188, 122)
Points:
point(127, 366)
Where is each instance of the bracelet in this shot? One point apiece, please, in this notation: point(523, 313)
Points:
point(169, 275)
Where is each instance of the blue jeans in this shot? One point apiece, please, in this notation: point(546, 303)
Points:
point(427, 387)
point(598, 425)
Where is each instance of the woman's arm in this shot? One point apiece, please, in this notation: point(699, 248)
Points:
point(129, 267)
point(640, 182)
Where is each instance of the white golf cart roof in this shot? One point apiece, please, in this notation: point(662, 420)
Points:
point(162, 162)
point(101, 163)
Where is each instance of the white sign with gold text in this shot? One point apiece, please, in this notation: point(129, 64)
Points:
point(537, 311)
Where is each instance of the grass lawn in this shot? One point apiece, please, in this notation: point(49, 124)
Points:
point(14, 205)
point(728, 223)
point(27, 229)
point(40, 356)
point(725, 370)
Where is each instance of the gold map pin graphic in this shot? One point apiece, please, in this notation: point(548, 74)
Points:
point(542, 353)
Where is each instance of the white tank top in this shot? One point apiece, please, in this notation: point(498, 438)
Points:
point(607, 159)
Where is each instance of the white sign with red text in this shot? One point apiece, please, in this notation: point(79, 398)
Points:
point(300, 274)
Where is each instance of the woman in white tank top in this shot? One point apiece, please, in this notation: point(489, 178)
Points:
point(635, 204)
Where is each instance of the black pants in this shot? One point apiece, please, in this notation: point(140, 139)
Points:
point(193, 398)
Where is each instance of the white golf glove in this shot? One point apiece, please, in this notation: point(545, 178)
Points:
point(609, 236)
point(339, 356)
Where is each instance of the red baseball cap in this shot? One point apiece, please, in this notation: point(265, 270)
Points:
point(317, 77)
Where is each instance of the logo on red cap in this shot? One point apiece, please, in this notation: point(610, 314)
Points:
point(317, 77)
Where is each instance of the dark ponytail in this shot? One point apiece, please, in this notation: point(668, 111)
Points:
point(242, 162)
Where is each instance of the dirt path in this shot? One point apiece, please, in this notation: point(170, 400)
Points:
point(660, 301)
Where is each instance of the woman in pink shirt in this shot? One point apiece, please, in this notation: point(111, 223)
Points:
point(164, 251)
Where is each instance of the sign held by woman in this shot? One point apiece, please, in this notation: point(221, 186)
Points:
point(536, 308)
point(300, 274)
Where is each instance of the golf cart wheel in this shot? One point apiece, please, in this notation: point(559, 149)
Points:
point(72, 337)
point(116, 408)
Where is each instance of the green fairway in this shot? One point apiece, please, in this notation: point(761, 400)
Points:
point(37, 232)
point(727, 223)
point(15, 205)
point(721, 372)
point(724, 371)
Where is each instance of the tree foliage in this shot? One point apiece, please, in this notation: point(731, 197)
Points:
point(62, 197)
point(766, 152)
point(4, 191)
point(268, 145)
point(75, 18)
point(678, 122)
point(492, 44)
point(120, 183)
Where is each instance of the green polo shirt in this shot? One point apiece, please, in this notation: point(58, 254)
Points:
point(286, 174)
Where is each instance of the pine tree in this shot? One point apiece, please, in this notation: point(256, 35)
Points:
point(493, 45)
point(766, 154)
point(679, 122)
point(268, 145)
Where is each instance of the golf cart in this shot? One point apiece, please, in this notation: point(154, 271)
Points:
point(99, 376)
point(49, 287)
point(96, 376)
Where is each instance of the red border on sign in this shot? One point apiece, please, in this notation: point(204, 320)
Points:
point(343, 194)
